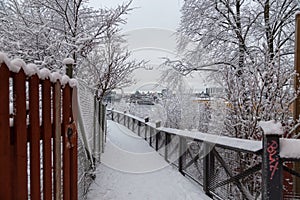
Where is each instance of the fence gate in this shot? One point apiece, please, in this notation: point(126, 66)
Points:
point(38, 136)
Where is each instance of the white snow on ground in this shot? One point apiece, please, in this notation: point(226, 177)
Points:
point(131, 170)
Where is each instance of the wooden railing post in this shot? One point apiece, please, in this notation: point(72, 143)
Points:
point(157, 125)
point(128, 122)
point(167, 135)
point(146, 127)
point(272, 168)
point(139, 128)
point(182, 151)
point(151, 135)
point(95, 153)
point(133, 123)
point(124, 118)
point(157, 137)
point(146, 130)
point(208, 168)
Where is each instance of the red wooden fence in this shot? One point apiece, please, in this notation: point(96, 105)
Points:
point(38, 138)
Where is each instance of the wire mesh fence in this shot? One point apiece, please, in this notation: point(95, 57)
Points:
point(92, 130)
point(226, 168)
point(225, 172)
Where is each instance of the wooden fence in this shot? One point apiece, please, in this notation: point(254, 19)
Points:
point(38, 137)
point(226, 168)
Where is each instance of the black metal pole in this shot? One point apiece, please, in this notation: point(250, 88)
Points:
point(272, 168)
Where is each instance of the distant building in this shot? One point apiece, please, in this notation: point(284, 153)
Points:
point(213, 91)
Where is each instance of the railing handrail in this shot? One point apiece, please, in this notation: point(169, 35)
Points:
point(226, 142)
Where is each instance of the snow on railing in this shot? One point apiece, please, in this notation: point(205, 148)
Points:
point(220, 163)
point(289, 148)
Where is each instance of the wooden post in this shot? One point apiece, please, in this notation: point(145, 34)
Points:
point(5, 154)
point(34, 137)
point(146, 127)
point(57, 140)
point(139, 128)
point(73, 157)
point(296, 110)
point(46, 135)
point(20, 138)
point(66, 150)
point(272, 168)
point(208, 168)
point(104, 122)
point(182, 151)
point(69, 69)
point(157, 125)
point(70, 153)
point(101, 130)
point(95, 153)
point(133, 123)
point(157, 137)
point(167, 136)
point(124, 118)
point(150, 135)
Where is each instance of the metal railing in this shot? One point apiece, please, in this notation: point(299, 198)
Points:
point(226, 168)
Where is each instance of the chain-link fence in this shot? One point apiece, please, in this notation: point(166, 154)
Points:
point(91, 129)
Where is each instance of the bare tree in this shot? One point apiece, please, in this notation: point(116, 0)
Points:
point(46, 31)
point(250, 45)
point(110, 66)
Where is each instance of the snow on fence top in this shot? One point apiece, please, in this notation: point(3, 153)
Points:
point(31, 69)
point(68, 61)
point(271, 127)
point(289, 148)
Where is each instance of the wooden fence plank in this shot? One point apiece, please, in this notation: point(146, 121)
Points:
point(20, 135)
point(74, 158)
point(57, 140)
point(46, 135)
point(34, 138)
point(66, 149)
point(5, 180)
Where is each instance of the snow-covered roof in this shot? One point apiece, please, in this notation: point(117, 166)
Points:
point(31, 69)
point(289, 148)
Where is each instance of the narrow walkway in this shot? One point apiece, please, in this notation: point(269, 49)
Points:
point(131, 170)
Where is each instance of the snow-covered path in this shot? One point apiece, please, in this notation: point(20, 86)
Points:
point(131, 170)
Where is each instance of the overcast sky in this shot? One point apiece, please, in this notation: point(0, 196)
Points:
point(148, 13)
point(150, 32)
